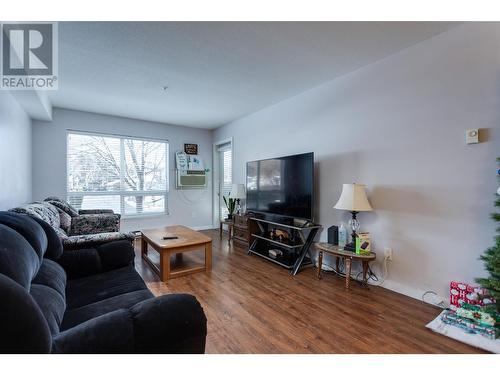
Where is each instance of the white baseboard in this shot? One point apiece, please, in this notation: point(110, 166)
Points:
point(203, 227)
point(394, 286)
point(409, 291)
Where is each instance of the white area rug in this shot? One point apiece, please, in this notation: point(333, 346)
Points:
point(460, 335)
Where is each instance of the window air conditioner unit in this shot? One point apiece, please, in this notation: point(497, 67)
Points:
point(187, 179)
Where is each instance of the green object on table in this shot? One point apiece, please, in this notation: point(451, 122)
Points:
point(230, 204)
point(363, 238)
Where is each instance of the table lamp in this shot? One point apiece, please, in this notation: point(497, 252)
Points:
point(353, 198)
point(238, 192)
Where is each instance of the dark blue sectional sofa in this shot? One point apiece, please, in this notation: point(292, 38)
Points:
point(85, 301)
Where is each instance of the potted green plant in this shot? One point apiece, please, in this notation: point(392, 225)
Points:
point(231, 205)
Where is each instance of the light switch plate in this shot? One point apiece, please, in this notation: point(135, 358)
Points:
point(472, 136)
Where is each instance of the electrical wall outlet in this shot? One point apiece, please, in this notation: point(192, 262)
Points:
point(388, 253)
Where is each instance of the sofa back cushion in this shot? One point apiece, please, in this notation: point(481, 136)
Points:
point(62, 205)
point(28, 228)
point(18, 260)
point(51, 274)
point(51, 303)
point(54, 244)
point(65, 220)
point(41, 210)
point(23, 327)
point(23, 245)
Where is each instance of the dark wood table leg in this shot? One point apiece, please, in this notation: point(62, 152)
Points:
point(347, 272)
point(220, 229)
point(144, 247)
point(320, 263)
point(230, 232)
point(337, 264)
point(365, 272)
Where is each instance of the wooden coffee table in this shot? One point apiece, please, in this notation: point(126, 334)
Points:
point(188, 240)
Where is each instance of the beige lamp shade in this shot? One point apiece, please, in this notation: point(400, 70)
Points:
point(238, 191)
point(353, 198)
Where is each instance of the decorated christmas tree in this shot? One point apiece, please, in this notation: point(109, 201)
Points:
point(491, 258)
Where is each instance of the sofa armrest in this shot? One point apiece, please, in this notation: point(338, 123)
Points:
point(94, 223)
point(86, 262)
point(95, 212)
point(111, 333)
point(94, 240)
point(173, 324)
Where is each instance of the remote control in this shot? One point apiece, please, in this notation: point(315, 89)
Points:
point(170, 237)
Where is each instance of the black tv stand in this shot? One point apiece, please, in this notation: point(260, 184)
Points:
point(295, 247)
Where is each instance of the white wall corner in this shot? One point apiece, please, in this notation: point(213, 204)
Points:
point(36, 103)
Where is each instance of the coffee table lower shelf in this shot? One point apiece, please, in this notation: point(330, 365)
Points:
point(173, 273)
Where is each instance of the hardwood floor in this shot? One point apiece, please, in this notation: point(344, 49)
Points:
point(254, 306)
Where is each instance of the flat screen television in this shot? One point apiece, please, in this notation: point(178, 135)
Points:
point(282, 186)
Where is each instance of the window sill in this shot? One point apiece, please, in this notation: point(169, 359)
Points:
point(145, 216)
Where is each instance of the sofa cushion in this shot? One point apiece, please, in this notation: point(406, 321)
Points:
point(94, 240)
point(23, 328)
point(41, 210)
point(81, 263)
point(62, 205)
point(116, 254)
point(61, 233)
point(28, 228)
point(65, 220)
point(94, 223)
point(87, 312)
point(51, 304)
point(52, 275)
point(18, 260)
point(54, 244)
point(90, 289)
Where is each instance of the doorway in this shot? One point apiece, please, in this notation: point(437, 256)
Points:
point(223, 178)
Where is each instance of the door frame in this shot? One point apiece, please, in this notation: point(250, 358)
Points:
point(216, 178)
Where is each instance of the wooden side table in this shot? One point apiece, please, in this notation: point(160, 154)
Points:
point(230, 228)
point(240, 228)
point(348, 256)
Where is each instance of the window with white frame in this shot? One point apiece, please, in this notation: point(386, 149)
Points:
point(128, 175)
point(226, 176)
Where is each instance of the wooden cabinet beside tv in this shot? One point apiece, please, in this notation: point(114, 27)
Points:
point(240, 228)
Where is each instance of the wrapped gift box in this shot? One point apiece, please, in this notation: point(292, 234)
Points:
point(468, 325)
point(481, 315)
point(461, 293)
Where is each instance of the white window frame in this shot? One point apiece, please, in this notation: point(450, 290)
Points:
point(123, 193)
point(217, 174)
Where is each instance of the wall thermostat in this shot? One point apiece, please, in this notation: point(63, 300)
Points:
point(472, 136)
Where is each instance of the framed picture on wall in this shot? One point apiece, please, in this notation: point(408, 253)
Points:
point(191, 148)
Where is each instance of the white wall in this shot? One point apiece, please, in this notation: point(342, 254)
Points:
point(189, 207)
point(15, 153)
point(398, 126)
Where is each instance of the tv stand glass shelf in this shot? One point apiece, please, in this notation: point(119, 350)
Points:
point(285, 242)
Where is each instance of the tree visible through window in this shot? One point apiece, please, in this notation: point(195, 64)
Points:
point(128, 175)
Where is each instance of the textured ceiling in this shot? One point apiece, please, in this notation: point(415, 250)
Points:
point(215, 71)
